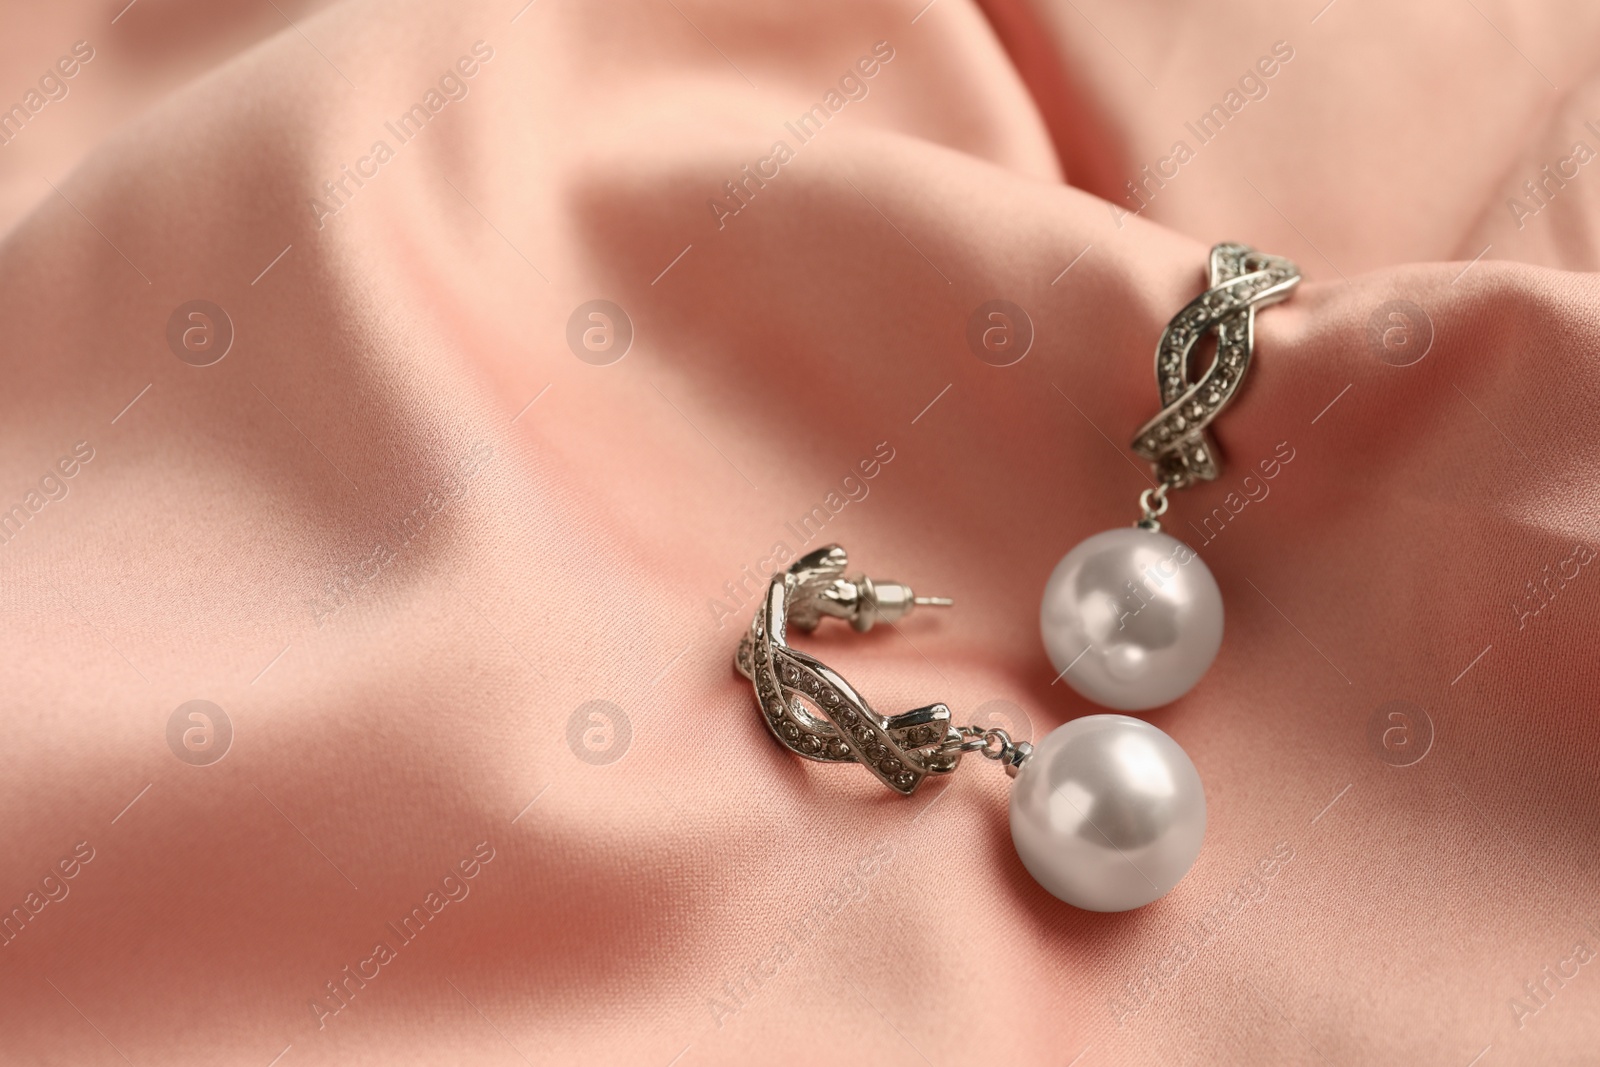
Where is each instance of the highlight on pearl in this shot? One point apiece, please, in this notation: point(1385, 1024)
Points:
point(1108, 813)
point(1132, 618)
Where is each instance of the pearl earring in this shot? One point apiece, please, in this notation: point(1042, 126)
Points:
point(1107, 813)
point(1133, 617)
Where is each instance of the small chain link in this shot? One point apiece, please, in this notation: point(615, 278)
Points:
point(1154, 503)
point(993, 742)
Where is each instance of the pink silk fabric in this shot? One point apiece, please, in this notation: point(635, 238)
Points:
point(403, 536)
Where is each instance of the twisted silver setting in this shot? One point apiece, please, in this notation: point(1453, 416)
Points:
point(1176, 441)
point(812, 710)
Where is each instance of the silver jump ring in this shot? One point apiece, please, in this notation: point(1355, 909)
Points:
point(1001, 742)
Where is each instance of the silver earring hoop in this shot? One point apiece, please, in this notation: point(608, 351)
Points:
point(815, 713)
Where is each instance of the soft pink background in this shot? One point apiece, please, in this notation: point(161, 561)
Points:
point(645, 909)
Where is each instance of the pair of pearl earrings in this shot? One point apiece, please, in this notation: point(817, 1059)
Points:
point(1107, 812)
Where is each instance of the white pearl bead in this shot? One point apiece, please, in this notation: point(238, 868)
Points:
point(1108, 813)
point(1135, 614)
